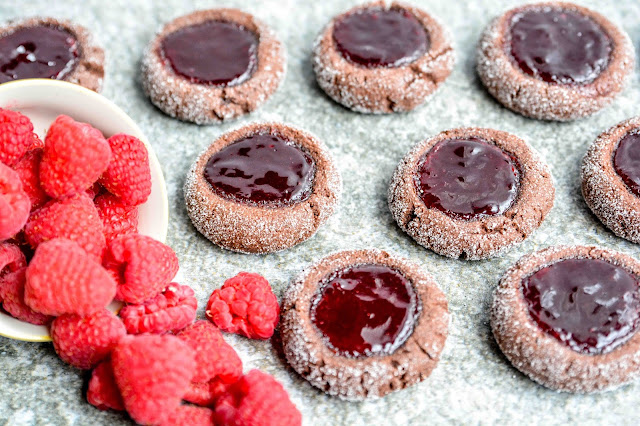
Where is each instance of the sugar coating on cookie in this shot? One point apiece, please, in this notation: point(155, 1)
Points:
point(42, 47)
point(554, 60)
point(610, 176)
point(243, 66)
point(378, 58)
point(574, 337)
point(470, 193)
point(262, 188)
point(383, 356)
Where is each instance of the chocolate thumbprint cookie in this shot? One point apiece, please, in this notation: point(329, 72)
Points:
point(611, 179)
point(470, 193)
point(568, 316)
point(379, 58)
point(262, 188)
point(364, 323)
point(212, 65)
point(43, 47)
point(554, 60)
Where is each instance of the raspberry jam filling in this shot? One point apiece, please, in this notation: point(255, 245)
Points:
point(559, 46)
point(626, 161)
point(261, 169)
point(590, 305)
point(381, 38)
point(38, 52)
point(214, 52)
point(467, 178)
point(365, 310)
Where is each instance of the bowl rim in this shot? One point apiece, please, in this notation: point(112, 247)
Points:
point(121, 115)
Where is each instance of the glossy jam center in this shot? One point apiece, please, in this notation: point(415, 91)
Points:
point(37, 52)
point(261, 169)
point(626, 161)
point(590, 305)
point(559, 46)
point(376, 37)
point(467, 178)
point(365, 310)
point(214, 52)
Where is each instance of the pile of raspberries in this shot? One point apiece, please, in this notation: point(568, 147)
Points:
point(69, 246)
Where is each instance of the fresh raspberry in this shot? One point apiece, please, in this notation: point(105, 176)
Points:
point(117, 219)
point(12, 296)
point(206, 394)
point(63, 279)
point(257, 399)
point(171, 310)
point(11, 258)
point(103, 392)
point(36, 143)
point(75, 218)
point(188, 415)
point(86, 341)
point(153, 372)
point(128, 175)
point(14, 203)
point(94, 190)
point(16, 136)
point(245, 305)
point(75, 155)
point(28, 168)
point(144, 266)
point(214, 356)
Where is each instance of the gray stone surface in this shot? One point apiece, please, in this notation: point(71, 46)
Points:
point(474, 383)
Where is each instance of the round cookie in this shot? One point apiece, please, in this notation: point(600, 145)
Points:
point(613, 198)
point(317, 354)
point(244, 65)
point(554, 60)
point(43, 47)
point(276, 194)
point(378, 58)
point(556, 322)
point(470, 193)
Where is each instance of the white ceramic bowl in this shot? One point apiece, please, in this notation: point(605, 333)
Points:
point(42, 100)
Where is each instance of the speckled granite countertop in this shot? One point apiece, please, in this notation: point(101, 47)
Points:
point(474, 383)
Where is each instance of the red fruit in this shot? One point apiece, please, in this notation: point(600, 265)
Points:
point(12, 296)
point(171, 310)
point(117, 219)
point(188, 415)
point(14, 203)
point(16, 136)
point(103, 392)
point(63, 279)
point(75, 155)
point(94, 190)
point(257, 399)
point(214, 357)
point(28, 168)
point(153, 372)
point(86, 341)
point(36, 143)
point(75, 218)
point(144, 266)
point(128, 175)
point(11, 258)
point(206, 394)
point(245, 305)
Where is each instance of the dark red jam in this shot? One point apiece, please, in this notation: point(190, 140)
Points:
point(214, 52)
point(365, 310)
point(467, 178)
point(379, 38)
point(37, 52)
point(590, 305)
point(626, 161)
point(559, 46)
point(261, 169)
